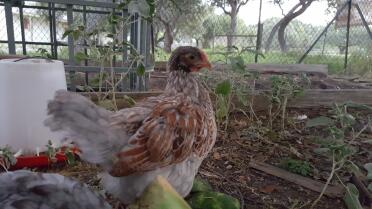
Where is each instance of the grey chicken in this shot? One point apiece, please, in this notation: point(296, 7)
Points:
point(167, 135)
point(28, 190)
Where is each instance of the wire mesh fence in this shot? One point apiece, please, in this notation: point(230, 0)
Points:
point(287, 39)
point(217, 26)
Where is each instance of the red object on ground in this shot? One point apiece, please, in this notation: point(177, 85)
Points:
point(40, 161)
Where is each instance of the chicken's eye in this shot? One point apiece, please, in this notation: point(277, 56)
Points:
point(192, 57)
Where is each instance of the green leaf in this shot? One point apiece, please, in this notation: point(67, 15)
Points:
point(151, 4)
point(354, 168)
point(67, 33)
point(141, 7)
point(141, 70)
point(76, 34)
point(80, 56)
point(81, 27)
point(237, 63)
point(319, 121)
point(370, 187)
point(213, 200)
point(130, 100)
point(224, 88)
point(70, 157)
point(321, 151)
point(200, 185)
point(122, 5)
point(351, 197)
point(368, 167)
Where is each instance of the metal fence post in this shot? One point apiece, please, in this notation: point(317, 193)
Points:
point(50, 15)
point(347, 34)
point(322, 33)
point(10, 26)
point(259, 34)
point(21, 21)
point(71, 52)
point(365, 24)
point(134, 41)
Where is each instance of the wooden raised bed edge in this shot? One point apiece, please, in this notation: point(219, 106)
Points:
point(331, 191)
point(309, 69)
point(311, 98)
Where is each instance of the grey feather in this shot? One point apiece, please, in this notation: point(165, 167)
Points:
point(28, 190)
point(88, 125)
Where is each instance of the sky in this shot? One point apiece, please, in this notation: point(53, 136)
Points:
point(315, 14)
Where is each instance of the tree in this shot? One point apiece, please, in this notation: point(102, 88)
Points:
point(218, 25)
point(280, 27)
point(234, 6)
point(171, 16)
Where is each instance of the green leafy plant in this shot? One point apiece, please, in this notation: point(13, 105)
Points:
point(351, 197)
point(7, 158)
point(70, 155)
point(51, 151)
point(213, 200)
point(105, 53)
point(296, 166)
point(44, 53)
point(202, 196)
point(223, 93)
point(234, 57)
point(283, 88)
point(338, 145)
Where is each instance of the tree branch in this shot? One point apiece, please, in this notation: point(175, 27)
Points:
point(242, 4)
point(222, 5)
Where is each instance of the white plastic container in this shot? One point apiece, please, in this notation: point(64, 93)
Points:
point(25, 88)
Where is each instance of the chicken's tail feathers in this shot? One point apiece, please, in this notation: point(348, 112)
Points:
point(85, 124)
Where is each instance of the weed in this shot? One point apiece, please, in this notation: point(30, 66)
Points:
point(338, 144)
point(296, 166)
point(105, 50)
point(283, 88)
point(7, 158)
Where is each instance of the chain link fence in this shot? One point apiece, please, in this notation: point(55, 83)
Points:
point(208, 24)
point(285, 39)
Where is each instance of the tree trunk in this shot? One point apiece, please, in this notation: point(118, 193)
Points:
point(233, 25)
point(283, 23)
point(271, 36)
point(206, 43)
point(286, 20)
point(168, 38)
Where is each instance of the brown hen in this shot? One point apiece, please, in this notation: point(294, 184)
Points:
point(167, 135)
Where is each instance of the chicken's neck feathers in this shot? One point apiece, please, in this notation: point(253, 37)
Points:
point(183, 82)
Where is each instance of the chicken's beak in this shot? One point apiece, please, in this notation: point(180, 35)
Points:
point(204, 62)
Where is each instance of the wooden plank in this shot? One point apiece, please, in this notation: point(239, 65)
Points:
point(312, 98)
point(327, 97)
point(311, 70)
point(331, 191)
point(135, 95)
